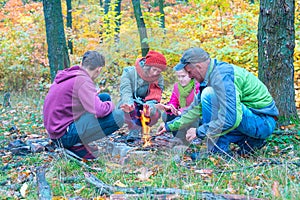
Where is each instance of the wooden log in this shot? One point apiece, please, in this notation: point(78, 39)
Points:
point(44, 190)
point(150, 191)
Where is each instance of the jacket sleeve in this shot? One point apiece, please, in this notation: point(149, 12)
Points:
point(90, 101)
point(126, 85)
point(190, 115)
point(174, 100)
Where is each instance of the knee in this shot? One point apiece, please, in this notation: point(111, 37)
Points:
point(119, 117)
point(104, 97)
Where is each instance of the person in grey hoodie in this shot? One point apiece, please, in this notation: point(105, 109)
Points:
point(142, 85)
point(74, 113)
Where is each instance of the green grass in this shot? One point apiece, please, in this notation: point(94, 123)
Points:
point(254, 176)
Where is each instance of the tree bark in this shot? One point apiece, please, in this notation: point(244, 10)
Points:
point(69, 24)
point(162, 17)
point(118, 19)
point(56, 40)
point(276, 43)
point(141, 26)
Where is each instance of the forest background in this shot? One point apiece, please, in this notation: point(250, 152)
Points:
point(226, 29)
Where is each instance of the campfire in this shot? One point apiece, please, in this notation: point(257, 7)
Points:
point(146, 137)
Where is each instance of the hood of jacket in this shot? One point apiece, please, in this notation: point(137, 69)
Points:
point(69, 73)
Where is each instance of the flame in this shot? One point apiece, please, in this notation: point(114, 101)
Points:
point(145, 128)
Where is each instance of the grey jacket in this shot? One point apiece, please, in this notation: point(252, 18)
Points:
point(134, 89)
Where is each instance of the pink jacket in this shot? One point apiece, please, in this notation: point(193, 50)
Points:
point(174, 100)
point(72, 94)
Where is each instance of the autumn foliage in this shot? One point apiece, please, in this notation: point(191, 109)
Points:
point(226, 29)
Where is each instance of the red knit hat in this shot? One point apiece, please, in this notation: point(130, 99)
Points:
point(156, 59)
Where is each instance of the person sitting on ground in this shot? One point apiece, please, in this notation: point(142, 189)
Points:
point(236, 106)
point(74, 113)
point(142, 85)
point(183, 94)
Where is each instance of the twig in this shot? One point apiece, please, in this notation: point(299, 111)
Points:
point(80, 162)
point(150, 190)
point(272, 162)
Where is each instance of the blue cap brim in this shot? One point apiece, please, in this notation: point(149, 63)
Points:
point(179, 66)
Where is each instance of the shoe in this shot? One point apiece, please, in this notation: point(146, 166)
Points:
point(86, 152)
point(134, 135)
point(250, 145)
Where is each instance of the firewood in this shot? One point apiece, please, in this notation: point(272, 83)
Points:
point(108, 189)
point(44, 189)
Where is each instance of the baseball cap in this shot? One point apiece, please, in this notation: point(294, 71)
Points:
point(192, 55)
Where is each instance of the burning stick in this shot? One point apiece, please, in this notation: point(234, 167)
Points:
point(145, 128)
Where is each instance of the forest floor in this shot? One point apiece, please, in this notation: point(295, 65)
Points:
point(159, 172)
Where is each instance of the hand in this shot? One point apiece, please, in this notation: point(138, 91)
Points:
point(191, 134)
point(174, 110)
point(146, 110)
point(127, 108)
point(161, 129)
point(162, 107)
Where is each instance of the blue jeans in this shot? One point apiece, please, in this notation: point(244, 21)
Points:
point(249, 135)
point(88, 128)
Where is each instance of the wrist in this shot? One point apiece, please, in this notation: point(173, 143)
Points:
point(200, 134)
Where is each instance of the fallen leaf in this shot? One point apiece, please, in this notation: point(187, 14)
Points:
point(59, 198)
point(23, 190)
point(230, 188)
point(78, 191)
point(204, 172)
point(145, 174)
point(275, 189)
point(119, 183)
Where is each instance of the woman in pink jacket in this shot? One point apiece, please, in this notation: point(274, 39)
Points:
point(182, 96)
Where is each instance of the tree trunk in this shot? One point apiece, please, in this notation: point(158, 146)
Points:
point(69, 24)
point(115, 6)
point(118, 20)
point(276, 43)
point(56, 40)
point(162, 17)
point(141, 26)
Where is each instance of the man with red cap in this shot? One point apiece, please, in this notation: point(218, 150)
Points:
point(141, 85)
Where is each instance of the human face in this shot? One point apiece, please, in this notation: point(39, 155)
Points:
point(183, 77)
point(154, 71)
point(196, 71)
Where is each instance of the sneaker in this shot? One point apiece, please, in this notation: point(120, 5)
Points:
point(250, 145)
point(134, 135)
point(84, 151)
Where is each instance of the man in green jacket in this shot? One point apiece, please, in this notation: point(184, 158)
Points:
point(236, 107)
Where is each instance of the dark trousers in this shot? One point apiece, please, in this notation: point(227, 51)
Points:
point(88, 128)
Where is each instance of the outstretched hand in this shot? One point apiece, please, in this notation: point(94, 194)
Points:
point(174, 110)
point(191, 134)
point(161, 106)
point(146, 110)
point(161, 129)
point(127, 108)
point(169, 107)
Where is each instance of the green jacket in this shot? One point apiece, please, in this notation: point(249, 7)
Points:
point(233, 86)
